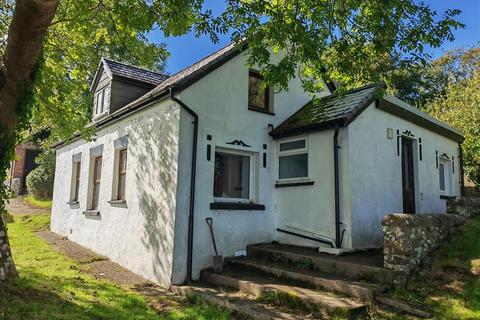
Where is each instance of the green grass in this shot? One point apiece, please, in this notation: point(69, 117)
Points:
point(51, 286)
point(462, 249)
point(38, 203)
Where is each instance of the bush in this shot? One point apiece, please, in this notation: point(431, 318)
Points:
point(40, 179)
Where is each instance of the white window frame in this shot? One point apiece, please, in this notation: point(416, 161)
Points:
point(116, 176)
point(447, 175)
point(100, 93)
point(74, 189)
point(304, 150)
point(252, 177)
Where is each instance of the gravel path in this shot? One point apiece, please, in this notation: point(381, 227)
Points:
point(18, 205)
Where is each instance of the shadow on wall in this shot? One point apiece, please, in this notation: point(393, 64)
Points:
point(154, 144)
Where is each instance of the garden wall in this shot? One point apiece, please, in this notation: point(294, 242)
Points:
point(408, 239)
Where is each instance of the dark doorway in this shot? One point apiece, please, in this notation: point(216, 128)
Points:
point(408, 176)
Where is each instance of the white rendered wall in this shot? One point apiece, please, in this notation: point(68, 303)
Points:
point(138, 235)
point(310, 210)
point(376, 174)
point(221, 100)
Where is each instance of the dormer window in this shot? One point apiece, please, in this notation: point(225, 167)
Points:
point(258, 93)
point(100, 101)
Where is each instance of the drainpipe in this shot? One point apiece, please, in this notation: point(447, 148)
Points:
point(192, 184)
point(462, 182)
point(338, 240)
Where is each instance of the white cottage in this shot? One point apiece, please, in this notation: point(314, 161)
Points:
point(212, 141)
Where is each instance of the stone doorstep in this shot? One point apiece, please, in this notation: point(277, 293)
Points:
point(313, 299)
point(351, 288)
point(233, 302)
point(326, 264)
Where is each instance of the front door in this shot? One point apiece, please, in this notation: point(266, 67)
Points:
point(408, 180)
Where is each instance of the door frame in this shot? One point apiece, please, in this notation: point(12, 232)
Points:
point(413, 176)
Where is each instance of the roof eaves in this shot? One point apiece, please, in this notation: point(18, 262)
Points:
point(403, 110)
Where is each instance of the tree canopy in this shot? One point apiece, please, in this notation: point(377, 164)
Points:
point(456, 100)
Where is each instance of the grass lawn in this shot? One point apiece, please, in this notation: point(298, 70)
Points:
point(42, 204)
point(51, 286)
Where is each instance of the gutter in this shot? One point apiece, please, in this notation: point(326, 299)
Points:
point(192, 184)
point(338, 238)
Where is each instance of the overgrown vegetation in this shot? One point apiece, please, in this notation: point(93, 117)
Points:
point(52, 286)
point(40, 180)
point(38, 203)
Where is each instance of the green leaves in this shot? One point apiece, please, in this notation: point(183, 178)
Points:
point(458, 102)
point(346, 37)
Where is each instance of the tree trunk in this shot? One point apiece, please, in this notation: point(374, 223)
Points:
point(26, 36)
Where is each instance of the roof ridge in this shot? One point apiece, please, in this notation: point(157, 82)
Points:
point(133, 66)
point(350, 91)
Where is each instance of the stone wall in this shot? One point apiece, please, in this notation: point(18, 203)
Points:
point(409, 239)
point(464, 206)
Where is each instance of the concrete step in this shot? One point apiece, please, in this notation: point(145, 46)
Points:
point(360, 290)
point(306, 299)
point(240, 304)
point(356, 267)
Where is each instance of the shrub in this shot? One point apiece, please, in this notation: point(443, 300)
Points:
point(40, 179)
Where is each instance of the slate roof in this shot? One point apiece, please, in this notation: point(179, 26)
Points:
point(134, 73)
point(323, 112)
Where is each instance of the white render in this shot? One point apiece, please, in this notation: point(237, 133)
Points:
point(148, 234)
point(138, 234)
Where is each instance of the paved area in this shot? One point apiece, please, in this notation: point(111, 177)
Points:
point(18, 205)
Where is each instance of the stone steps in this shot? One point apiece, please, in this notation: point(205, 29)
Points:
point(338, 266)
point(241, 304)
point(313, 279)
point(304, 298)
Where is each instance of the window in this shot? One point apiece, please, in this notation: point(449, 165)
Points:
point(75, 180)
point(232, 176)
point(122, 174)
point(258, 93)
point(100, 105)
point(293, 159)
point(444, 176)
point(97, 175)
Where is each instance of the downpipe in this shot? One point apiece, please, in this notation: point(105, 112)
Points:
point(193, 173)
point(338, 235)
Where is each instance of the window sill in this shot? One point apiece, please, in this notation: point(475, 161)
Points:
point(73, 202)
point(294, 184)
point(236, 206)
point(118, 202)
point(443, 196)
point(91, 213)
point(261, 110)
point(100, 116)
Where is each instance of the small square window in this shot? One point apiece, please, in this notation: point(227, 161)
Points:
point(231, 176)
point(293, 159)
point(258, 92)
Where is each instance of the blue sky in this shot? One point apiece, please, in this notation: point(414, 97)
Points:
point(187, 49)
